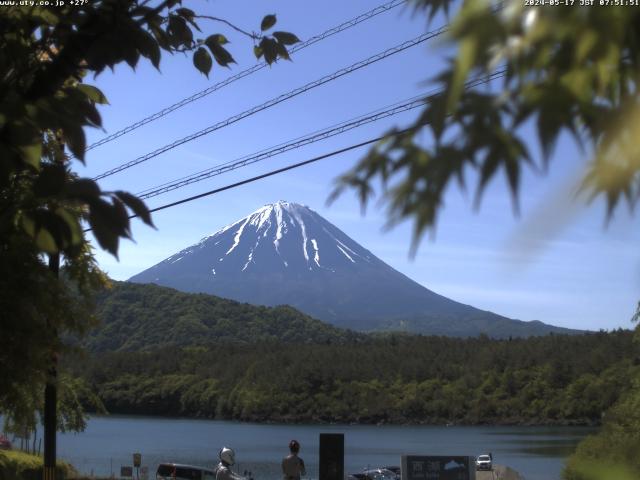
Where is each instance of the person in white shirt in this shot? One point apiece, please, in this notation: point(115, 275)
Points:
point(223, 470)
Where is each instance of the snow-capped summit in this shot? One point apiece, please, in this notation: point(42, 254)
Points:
point(279, 236)
point(285, 253)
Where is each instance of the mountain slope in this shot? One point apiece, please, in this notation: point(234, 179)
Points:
point(142, 317)
point(285, 253)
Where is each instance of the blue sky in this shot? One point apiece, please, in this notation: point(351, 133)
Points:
point(555, 262)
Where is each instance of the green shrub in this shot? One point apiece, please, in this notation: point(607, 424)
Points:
point(15, 465)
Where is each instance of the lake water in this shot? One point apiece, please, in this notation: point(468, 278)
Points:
point(109, 442)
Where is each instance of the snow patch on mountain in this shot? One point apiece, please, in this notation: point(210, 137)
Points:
point(291, 233)
point(281, 227)
point(303, 228)
point(236, 238)
point(274, 224)
point(346, 254)
point(248, 260)
point(316, 255)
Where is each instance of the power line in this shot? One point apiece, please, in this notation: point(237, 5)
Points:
point(299, 142)
point(203, 93)
point(493, 76)
point(269, 174)
point(279, 99)
point(282, 148)
point(264, 175)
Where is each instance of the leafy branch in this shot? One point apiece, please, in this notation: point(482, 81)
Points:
point(567, 70)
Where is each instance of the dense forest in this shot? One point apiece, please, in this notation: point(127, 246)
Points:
point(142, 317)
point(217, 358)
point(613, 453)
point(555, 379)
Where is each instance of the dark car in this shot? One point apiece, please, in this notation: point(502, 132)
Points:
point(177, 471)
point(356, 476)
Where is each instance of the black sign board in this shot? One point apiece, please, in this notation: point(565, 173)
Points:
point(438, 467)
point(331, 456)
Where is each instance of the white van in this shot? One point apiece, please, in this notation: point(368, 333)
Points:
point(483, 462)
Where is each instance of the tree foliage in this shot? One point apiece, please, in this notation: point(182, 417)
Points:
point(146, 317)
point(73, 396)
point(35, 307)
point(46, 54)
point(555, 379)
point(45, 105)
point(612, 454)
point(567, 69)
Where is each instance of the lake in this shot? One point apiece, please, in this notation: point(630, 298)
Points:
point(109, 442)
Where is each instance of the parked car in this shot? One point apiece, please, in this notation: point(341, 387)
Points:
point(356, 476)
point(373, 474)
point(394, 469)
point(483, 462)
point(177, 471)
point(5, 444)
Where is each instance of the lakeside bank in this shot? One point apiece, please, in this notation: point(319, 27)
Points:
point(538, 453)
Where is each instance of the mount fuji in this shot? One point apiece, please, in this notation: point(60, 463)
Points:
point(285, 253)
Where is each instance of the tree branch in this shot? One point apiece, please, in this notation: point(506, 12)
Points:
point(252, 36)
point(146, 18)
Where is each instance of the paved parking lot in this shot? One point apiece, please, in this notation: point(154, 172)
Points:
point(499, 472)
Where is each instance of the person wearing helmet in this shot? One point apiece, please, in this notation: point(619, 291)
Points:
point(227, 459)
point(292, 465)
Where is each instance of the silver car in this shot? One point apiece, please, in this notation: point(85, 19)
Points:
point(483, 462)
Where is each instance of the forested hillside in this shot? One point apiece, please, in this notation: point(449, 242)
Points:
point(143, 317)
point(541, 380)
point(614, 452)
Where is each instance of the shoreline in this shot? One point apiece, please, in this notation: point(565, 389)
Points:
point(284, 420)
point(109, 442)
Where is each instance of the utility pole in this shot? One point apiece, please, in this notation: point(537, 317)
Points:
point(51, 394)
